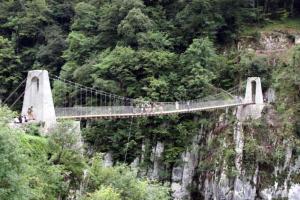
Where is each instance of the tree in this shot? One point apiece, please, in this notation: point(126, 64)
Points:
point(80, 47)
point(135, 22)
point(287, 84)
point(115, 71)
point(154, 40)
point(49, 55)
point(86, 18)
point(10, 74)
point(66, 149)
point(120, 182)
point(25, 172)
point(199, 62)
point(235, 14)
point(104, 193)
point(14, 180)
point(36, 33)
point(196, 19)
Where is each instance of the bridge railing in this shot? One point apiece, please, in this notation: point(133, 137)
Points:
point(159, 108)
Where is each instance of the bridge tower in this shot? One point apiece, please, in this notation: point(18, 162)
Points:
point(253, 96)
point(38, 97)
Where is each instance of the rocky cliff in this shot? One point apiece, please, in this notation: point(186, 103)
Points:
point(234, 172)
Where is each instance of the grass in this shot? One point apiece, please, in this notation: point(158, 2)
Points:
point(288, 25)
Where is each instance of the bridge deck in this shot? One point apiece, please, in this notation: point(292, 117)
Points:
point(131, 111)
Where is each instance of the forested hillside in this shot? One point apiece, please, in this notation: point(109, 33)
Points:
point(154, 50)
point(81, 35)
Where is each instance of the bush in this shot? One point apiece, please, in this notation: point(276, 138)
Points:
point(104, 193)
point(125, 181)
point(66, 148)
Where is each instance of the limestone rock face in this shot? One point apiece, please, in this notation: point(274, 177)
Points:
point(268, 42)
point(182, 176)
point(294, 192)
point(77, 131)
point(274, 40)
point(288, 189)
point(177, 174)
point(108, 160)
point(135, 163)
point(271, 117)
point(218, 186)
point(156, 158)
point(189, 183)
point(270, 95)
point(297, 39)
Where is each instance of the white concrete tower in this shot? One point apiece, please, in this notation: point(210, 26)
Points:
point(254, 91)
point(253, 95)
point(38, 95)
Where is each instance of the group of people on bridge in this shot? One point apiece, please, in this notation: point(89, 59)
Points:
point(149, 107)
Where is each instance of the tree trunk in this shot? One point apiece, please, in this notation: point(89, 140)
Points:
point(266, 6)
point(286, 5)
point(292, 7)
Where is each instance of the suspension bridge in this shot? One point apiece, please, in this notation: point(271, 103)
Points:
point(76, 101)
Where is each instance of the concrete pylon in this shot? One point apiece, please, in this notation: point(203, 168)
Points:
point(253, 95)
point(258, 96)
point(38, 96)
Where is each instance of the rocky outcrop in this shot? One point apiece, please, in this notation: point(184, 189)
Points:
point(216, 184)
point(182, 176)
point(270, 95)
point(297, 38)
point(267, 42)
point(188, 182)
point(288, 189)
point(156, 158)
point(108, 160)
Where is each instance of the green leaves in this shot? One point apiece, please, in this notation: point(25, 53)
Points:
point(25, 172)
point(116, 69)
point(13, 182)
point(86, 18)
point(135, 22)
point(199, 62)
point(34, 167)
point(9, 67)
point(154, 40)
point(123, 67)
point(120, 182)
point(104, 193)
point(66, 148)
point(157, 89)
point(79, 47)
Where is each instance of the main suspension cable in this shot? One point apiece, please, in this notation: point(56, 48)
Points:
point(14, 91)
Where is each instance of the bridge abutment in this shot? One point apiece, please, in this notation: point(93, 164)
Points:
point(38, 102)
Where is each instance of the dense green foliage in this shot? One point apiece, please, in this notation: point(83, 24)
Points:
point(122, 183)
point(78, 34)
point(26, 172)
point(35, 167)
